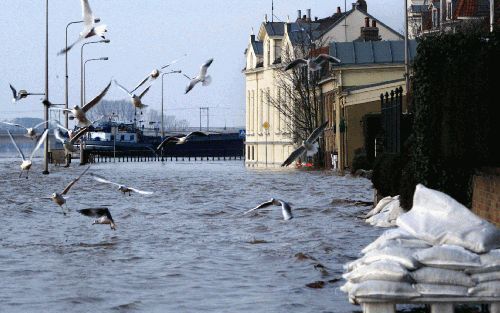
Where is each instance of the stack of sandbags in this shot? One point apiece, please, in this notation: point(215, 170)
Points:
point(440, 249)
point(385, 212)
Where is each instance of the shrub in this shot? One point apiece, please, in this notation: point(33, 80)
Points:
point(386, 175)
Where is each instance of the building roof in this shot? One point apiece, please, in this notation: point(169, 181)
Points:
point(275, 28)
point(258, 47)
point(419, 8)
point(472, 8)
point(372, 52)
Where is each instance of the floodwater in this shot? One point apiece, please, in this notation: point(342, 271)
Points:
point(187, 248)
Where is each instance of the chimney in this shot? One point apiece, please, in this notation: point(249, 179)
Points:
point(299, 14)
point(309, 14)
point(265, 17)
point(315, 18)
point(369, 33)
point(354, 6)
point(339, 11)
point(304, 17)
point(252, 38)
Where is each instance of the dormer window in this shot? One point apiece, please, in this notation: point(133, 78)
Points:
point(268, 50)
point(449, 12)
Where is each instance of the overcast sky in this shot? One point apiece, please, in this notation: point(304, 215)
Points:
point(146, 34)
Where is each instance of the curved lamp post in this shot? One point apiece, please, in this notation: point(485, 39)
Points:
point(81, 66)
point(84, 71)
point(66, 92)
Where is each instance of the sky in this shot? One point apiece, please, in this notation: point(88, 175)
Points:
point(147, 34)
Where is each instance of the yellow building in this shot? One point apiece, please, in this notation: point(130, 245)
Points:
point(353, 89)
point(268, 132)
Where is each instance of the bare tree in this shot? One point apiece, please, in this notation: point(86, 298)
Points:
point(170, 121)
point(121, 109)
point(298, 96)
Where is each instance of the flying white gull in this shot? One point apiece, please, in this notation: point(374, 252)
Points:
point(202, 77)
point(135, 99)
point(155, 74)
point(121, 187)
point(309, 145)
point(30, 131)
point(26, 165)
point(79, 113)
point(89, 27)
point(180, 139)
point(69, 143)
point(102, 215)
point(59, 198)
point(313, 64)
point(285, 208)
point(16, 96)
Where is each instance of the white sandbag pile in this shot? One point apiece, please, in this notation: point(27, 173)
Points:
point(385, 212)
point(440, 249)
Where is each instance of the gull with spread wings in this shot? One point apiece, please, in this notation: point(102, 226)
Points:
point(122, 188)
point(80, 113)
point(310, 146)
point(179, 139)
point(313, 64)
point(60, 198)
point(135, 99)
point(155, 74)
point(285, 208)
point(26, 164)
point(89, 27)
point(202, 77)
point(69, 143)
point(30, 131)
point(102, 215)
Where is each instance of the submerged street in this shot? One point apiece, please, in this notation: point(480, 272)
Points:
point(186, 248)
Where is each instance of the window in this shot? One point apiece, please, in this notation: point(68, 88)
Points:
point(261, 107)
point(248, 153)
point(112, 137)
point(253, 153)
point(122, 137)
point(435, 18)
point(448, 11)
point(132, 137)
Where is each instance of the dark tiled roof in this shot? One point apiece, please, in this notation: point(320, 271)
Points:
point(372, 52)
point(258, 47)
point(419, 8)
point(472, 8)
point(275, 28)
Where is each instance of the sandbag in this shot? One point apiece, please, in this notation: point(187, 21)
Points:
point(436, 290)
point(398, 242)
point(431, 275)
point(439, 219)
point(400, 255)
point(487, 289)
point(388, 215)
point(447, 256)
point(353, 265)
point(396, 233)
point(380, 206)
point(484, 277)
point(380, 270)
point(490, 262)
point(383, 290)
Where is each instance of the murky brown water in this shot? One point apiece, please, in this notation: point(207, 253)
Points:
point(187, 248)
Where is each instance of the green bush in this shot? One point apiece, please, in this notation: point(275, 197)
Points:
point(386, 175)
point(360, 161)
point(455, 125)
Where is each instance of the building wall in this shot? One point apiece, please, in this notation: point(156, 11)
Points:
point(486, 195)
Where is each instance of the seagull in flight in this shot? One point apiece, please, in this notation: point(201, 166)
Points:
point(309, 145)
point(122, 188)
point(135, 99)
point(30, 131)
point(285, 208)
point(202, 77)
point(69, 143)
point(313, 64)
point(89, 27)
point(156, 73)
point(16, 96)
point(102, 215)
point(79, 113)
point(59, 198)
point(26, 164)
point(180, 140)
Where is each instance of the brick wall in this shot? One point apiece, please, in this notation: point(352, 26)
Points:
point(486, 195)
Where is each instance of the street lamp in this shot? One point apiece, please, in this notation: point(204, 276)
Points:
point(81, 67)
point(66, 92)
point(162, 75)
point(46, 98)
point(84, 66)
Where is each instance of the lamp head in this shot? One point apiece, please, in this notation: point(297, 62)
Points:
point(104, 58)
point(97, 20)
point(106, 41)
